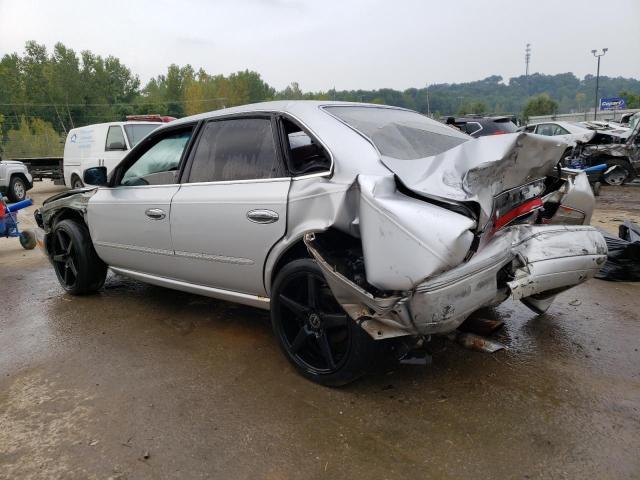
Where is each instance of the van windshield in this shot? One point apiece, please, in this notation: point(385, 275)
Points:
point(135, 133)
point(400, 134)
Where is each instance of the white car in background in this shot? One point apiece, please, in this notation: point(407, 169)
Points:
point(568, 132)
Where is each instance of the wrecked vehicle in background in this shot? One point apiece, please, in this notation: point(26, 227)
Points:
point(364, 229)
point(622, 159)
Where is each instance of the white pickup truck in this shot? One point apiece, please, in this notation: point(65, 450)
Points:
point(15, 180)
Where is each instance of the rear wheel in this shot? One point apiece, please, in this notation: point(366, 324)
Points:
point(77, 266)
point(315, 333)
point(17, 189)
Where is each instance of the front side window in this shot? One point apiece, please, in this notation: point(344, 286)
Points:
point(400, 134)
point(160, 164)
point(235, 149)
point(115, 139)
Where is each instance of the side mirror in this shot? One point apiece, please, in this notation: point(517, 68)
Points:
point(95, 176)
point(116, 146)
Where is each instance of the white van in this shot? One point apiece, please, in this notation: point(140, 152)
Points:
point(102, 144)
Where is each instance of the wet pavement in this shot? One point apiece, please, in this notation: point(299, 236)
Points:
point(144, 382)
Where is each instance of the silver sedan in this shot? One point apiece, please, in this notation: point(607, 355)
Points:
point(363, 228)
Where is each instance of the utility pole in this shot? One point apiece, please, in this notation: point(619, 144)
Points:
point(428, 106)
point(597, 55)
point(527, 59)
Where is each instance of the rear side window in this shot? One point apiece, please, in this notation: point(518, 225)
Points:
point(546, 129)
point(236, 149)
point(115, 139)
point(400, 134)
point(305, 154)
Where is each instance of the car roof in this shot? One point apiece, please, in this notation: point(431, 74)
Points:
point(294, 107)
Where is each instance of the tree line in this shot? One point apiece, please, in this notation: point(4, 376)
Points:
point(44, 94)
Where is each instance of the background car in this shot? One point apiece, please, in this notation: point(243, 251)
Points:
point(479, 126)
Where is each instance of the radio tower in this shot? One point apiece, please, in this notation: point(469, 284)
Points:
point(527, 59)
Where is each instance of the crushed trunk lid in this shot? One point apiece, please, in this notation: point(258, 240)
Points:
point(478, 171)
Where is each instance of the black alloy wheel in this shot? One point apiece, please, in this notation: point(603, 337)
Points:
point(77, 266)
point(64, 259)
point(315, 333)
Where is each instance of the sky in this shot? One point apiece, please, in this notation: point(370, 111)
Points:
point(346, 44)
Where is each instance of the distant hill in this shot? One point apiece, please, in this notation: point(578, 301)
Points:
point(493, 95)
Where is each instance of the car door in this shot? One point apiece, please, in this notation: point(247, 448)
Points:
point(129, 221)
point(115, 147)
point(232, 204)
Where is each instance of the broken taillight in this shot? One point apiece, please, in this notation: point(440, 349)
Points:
point(516, 203)
point(521, 210)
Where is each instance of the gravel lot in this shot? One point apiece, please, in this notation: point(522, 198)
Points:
point(142, 382)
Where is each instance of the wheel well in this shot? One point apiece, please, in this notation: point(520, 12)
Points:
point(68, 214)
point(20, 175)
point(294, 252)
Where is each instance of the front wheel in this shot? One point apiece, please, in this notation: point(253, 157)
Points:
point(621, 174)
point(77, 266)
point(316, 335)
point(17, 189)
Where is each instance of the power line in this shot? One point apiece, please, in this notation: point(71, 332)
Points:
point(165, 102)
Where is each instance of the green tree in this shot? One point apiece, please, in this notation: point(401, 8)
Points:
point(632, 100)
point(542, 104)
point(33, 139)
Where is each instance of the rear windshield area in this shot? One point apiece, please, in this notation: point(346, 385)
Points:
point(135, 133)
point(400, 134)
point(500, 125)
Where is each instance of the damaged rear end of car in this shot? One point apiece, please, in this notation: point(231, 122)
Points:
point(467, 227)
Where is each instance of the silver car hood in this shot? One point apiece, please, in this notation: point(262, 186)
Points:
point(478, 170)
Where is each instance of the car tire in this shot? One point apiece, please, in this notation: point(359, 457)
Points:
point(76, 182)
point(316, 335)
point(621, 175)
point(75, 261)
point(17, 189)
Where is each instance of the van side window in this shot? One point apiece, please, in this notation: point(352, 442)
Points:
point(236, 149)
point(159, 165)
point(115, 139)
point(305, 155)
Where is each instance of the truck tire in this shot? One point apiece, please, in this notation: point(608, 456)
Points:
point(75, 261)
point(76, 182)
point(17, 189)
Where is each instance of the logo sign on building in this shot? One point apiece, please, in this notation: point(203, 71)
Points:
point(612, 104)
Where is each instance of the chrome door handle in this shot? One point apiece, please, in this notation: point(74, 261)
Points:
point(262, 216)
point(155, 213)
